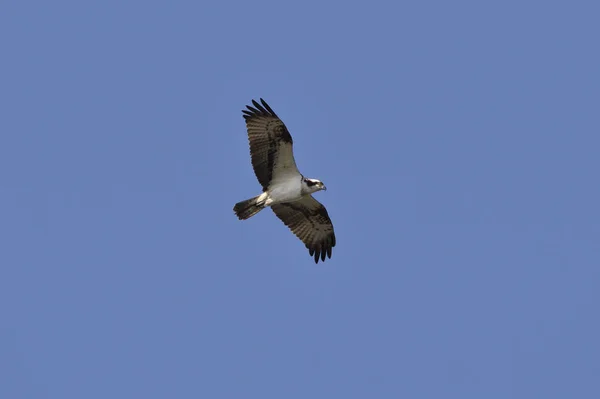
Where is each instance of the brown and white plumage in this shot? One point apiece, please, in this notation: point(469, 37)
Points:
point(270, 144)
point(285, 189)
point(308, 219)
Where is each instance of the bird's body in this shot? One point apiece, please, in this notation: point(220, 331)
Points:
point(285, 189)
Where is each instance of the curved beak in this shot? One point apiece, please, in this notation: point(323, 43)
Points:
point(324, 188)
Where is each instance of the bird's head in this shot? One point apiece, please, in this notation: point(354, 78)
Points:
point(313, 185)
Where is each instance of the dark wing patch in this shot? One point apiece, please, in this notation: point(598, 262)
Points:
point(269, 140)
point(308, 219)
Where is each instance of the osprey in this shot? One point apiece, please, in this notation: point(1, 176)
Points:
point(285, 189)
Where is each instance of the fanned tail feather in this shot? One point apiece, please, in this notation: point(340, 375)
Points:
point(248, 208)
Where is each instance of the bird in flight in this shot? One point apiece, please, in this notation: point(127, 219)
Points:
point(285, 189)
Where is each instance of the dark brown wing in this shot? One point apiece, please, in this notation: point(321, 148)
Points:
point(308, 219)
point(270, 144)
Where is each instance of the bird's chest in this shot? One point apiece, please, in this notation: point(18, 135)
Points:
point(286, 191)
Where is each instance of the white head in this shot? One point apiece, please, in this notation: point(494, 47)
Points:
point(310, 186)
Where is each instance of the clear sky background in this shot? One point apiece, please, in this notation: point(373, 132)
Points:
point(459, 142)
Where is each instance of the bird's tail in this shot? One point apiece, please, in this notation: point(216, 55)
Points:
point(248, 208)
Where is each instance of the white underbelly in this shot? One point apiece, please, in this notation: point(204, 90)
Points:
point(285, 192)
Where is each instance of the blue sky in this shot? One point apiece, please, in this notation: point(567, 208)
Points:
point(459, 142)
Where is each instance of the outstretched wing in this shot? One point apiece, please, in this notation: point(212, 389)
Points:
point(270, 144)
point(308, 219)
